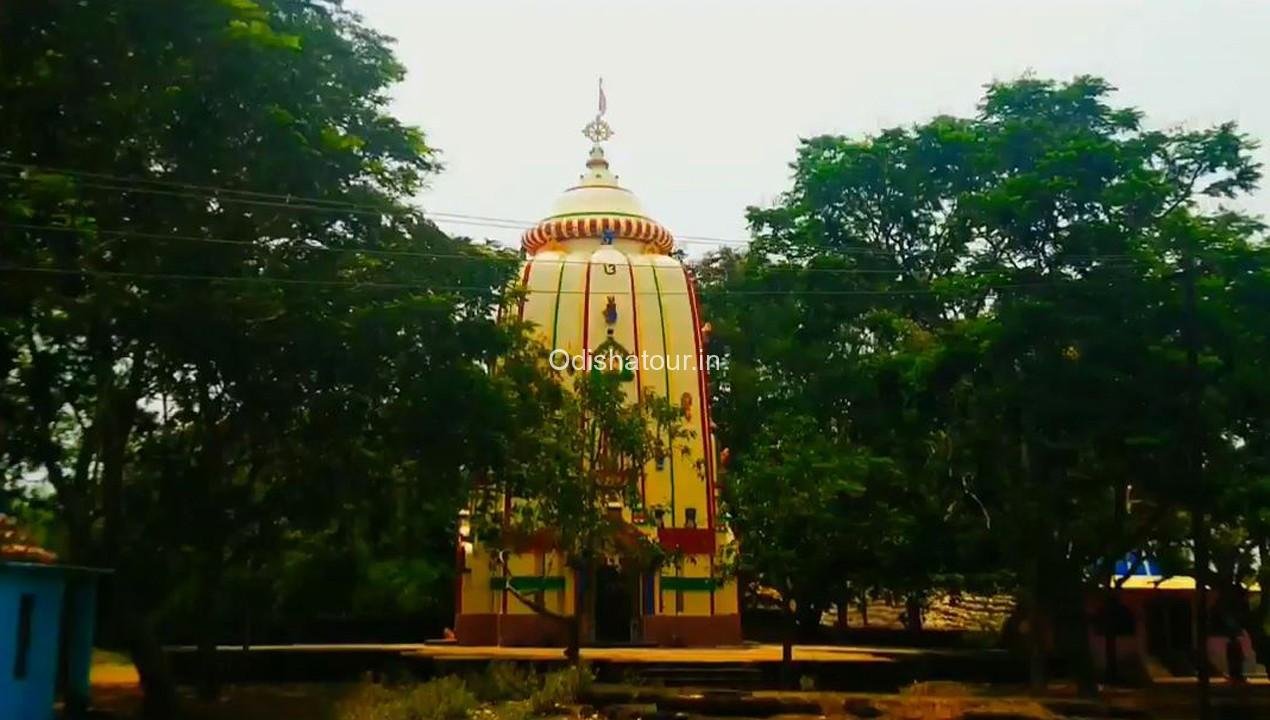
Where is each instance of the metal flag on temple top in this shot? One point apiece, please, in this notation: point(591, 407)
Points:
point(597, 131)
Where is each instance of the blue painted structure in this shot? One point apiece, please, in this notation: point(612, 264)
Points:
point(47, 616)
point(1133, 564)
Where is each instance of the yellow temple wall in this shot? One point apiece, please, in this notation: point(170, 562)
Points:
point(568, 292)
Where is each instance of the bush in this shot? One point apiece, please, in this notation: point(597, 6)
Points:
point(504, 681)
point(445, 698)
point(511, 710)
point(561, 688)
point(937, 688)
point(511, 693)
point(367, 702)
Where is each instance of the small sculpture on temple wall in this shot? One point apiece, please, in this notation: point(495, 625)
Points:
point(685, 404)
point(610, 310)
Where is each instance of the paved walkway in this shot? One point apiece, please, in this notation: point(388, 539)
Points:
point(747, 653)
point(715, 655)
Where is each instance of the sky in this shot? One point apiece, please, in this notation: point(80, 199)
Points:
point(709, 99)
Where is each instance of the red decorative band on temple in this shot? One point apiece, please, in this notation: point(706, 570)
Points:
point(552, 230)
point(693, 541)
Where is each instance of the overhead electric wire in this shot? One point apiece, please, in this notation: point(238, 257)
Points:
point(352, 283)
point(289, 199)
point(373, 252)
point(315, 204)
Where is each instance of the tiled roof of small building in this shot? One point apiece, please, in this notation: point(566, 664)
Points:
point(16, 545)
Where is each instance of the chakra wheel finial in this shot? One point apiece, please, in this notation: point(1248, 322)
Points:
point(598, 130)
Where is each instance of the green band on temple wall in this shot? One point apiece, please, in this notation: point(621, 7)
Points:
point(530, 583)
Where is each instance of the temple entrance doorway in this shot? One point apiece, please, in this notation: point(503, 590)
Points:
point(1170, 632)
point(614, 605)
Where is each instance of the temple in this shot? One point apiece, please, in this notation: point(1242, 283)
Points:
point(600, 279)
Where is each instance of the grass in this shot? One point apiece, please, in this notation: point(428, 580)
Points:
point(291, 701)
point(504, 681)
point(503, 692)
point(506, 691)
point(445, 698)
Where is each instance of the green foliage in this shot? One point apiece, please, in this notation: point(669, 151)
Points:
point(445, 698)
point(510, 710)
point(587, 449)
point(254, 409)
point(560, 689)
point(789, 499)
point(506, 691)
point(989, 312)
point(505, 681)
point(973, 353)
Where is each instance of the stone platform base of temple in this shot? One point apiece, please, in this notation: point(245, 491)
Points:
point(538, 631)
point(518, 630)
point(692, 630)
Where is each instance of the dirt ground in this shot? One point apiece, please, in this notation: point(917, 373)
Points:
point(116, 692)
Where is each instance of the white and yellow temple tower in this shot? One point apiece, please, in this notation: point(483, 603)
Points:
point(600, 278)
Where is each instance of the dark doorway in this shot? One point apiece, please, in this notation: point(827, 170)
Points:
point(614, 605)
point(1170, 632)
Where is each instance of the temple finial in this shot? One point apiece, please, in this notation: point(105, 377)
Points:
point(598, 130)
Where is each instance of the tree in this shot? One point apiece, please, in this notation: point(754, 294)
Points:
point(223, 331)
point(993, 304)
point(787, 501)
point(569, 475)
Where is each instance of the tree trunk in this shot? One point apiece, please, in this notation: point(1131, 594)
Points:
point(808, 619)
point(208, 676)
point(1035, 642)
point(1110, 659)
point(787, 646)
point(1199, 532)
point(913, 612)
point(1120, 508)
point(246, 644)
point(1195, 471)
point(208, 663)
point(573, 650)
point(157, 685)
point(572, 623)
point(1074, 626)
point(840, 621)
point(1036, 651)
point(1257, 619)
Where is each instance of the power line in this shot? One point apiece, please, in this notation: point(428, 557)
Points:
point(290, 199)
point(119, 183)
point(373, 252)
point(316, 205)
point(262, 279)
point(355, 251)
point(163, 237)
point(211, 190)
